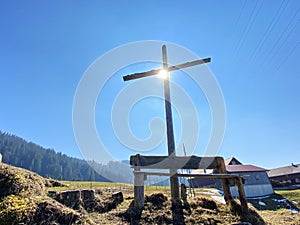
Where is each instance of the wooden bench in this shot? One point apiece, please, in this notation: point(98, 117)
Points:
point(173, 163)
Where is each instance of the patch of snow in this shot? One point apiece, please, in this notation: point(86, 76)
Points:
point(219, 199)
point(209, 191)
point(279, 200)
point(262, 203)
point(286, 203)
point(218, 192)
point(262, 197)
point(294, 210)
point(206, 193)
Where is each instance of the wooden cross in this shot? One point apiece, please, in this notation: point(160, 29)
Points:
point(169, 121)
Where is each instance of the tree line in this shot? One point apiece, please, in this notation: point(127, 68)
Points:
point(49, 163)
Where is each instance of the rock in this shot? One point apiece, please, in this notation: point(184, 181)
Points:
point(88, 194)
point(71, 199)
point(87, 199)
point(78, 198)
point(54, 183)
point(53, 213)
point(114, 201)
point(89, 202)
point(157, 199)
point(117, 197)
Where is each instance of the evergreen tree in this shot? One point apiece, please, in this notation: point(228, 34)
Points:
point(46, 162)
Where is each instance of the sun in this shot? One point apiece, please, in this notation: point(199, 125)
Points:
point(163, 74)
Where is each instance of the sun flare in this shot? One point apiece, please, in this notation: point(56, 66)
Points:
point(163, 74)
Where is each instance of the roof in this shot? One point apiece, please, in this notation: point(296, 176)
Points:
point(232, 161)
point(233, 166)
point(243, 168)
point(233, 169)
point(286, 170)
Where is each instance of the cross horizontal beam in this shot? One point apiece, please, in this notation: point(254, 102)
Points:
point(169, 69)
point(174, 162)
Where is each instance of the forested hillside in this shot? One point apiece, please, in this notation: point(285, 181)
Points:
point(49, 163)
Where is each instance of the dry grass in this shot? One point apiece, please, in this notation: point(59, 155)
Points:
point(196, 213)
point(22, 202)
point(281, 216)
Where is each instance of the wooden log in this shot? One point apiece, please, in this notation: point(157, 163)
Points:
point(173, 162)
point(183, 192)
point(225, 182)
point(243, 199)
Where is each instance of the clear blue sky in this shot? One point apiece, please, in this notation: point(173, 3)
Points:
point(46, 46)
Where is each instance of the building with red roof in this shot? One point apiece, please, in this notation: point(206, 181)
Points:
point(256, 180)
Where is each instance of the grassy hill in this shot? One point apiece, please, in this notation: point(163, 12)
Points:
point(27, 198)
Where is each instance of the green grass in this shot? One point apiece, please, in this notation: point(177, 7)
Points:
point(71, 185)
point(284, 216)
point(292, 195)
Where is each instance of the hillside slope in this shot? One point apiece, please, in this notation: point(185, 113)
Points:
point(49, 163)
point(25, 199)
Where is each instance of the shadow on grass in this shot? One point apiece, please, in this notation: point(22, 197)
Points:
point(156, 201)
point(272, 202)
point(177, 213)
point(253, 217)
point(201, 210)
point(133, 214)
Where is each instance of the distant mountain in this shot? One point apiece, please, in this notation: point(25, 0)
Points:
point(49, 163)
point(126, 161)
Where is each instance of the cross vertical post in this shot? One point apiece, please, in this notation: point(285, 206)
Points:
point(170, 132)
point(168, 107)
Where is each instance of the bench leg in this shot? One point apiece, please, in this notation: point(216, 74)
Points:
point(226, 189)
point(139, 198)
point(225, 182)
point(242, 195)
